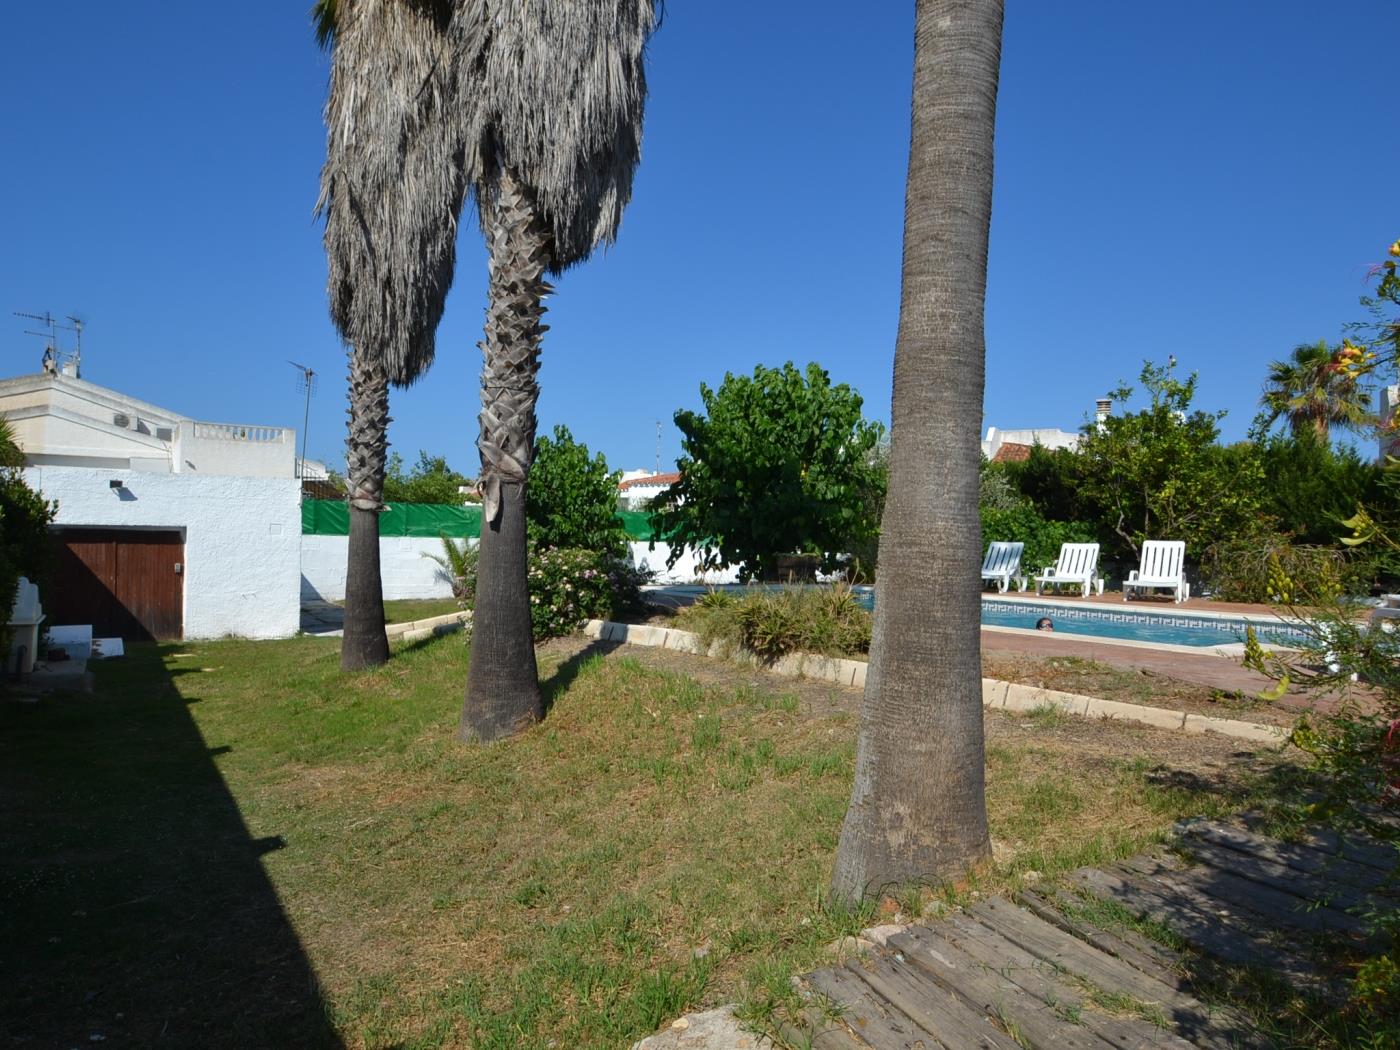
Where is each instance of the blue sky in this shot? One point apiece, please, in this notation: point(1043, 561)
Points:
point(1208, 179)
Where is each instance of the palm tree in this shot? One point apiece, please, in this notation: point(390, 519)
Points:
point(1314, 390)
point(391, 192)
point(917, 805)
point(549, 98)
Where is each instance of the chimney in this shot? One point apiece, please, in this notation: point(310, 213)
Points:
point(1103, 408)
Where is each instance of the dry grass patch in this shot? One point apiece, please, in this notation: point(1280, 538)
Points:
point(657, 845)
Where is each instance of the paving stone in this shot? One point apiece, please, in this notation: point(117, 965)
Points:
point(710, 1030)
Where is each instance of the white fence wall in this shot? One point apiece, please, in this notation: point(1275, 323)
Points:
point(404, 568)
point(242, 538)
point(407, 572)
point(685, 570)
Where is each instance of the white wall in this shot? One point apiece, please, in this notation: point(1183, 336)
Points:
point(685, 570)
point(242, 539)
point(404, 570)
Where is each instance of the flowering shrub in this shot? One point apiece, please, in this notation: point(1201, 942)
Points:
point(569, 586)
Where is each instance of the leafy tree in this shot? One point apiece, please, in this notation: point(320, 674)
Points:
point(1158, 473)
point(572, 498)
point(1049, 478)
point(1314, 486)
point(996, 488)
point(1042, 537)
point(918, 807)
point(1315, 390)
point(430, 481)
point(779, 462)
point(25, 545)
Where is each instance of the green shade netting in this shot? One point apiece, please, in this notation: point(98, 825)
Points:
point(331, 517)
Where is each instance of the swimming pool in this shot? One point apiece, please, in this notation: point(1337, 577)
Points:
point(1164, 628)
point(1127, 623)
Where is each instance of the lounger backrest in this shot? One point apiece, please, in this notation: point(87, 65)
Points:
point(1002, 558)
point(1161, 559)
point(1077, 559)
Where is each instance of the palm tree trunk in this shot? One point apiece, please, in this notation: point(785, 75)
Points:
point(917, 805)
point(503, 690)
point(364, 643)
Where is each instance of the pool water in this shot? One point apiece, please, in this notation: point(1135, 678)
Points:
point(1162, 628)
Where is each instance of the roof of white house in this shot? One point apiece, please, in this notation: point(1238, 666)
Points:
point(648, 480)
point(61, 420)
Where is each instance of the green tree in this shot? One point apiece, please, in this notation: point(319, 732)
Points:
point(1315, 390)
point(25, 516)
point(430, 481)
point(1158, 473)
point(918, 808)
point(1313, 486)
point(572, 498)
point(778, 462)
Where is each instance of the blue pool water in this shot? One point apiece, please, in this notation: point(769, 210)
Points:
point(1160, 627)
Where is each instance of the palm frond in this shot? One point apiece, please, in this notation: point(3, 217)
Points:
point(552, 91)
point(393, 184)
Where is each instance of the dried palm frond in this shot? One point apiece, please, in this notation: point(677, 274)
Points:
point(552, 92)
point(393, 183)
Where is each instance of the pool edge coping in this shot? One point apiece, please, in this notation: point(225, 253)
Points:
point(1007, 696)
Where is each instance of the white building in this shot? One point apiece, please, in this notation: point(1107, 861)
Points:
point(167, 527)
point(639, 487)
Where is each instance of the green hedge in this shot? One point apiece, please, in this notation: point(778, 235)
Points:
point(331, 517)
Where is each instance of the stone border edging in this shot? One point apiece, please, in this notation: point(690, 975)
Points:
point(1009, 696)
point(416, 630)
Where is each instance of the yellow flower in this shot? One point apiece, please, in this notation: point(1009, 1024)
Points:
point(1395, 249)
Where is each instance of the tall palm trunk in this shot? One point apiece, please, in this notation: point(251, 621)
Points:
point(917, 805)
point(364, 643)
point(503, 692)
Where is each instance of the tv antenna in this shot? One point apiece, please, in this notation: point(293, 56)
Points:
point(658, 446)
point(55, 356)
point(306, 383)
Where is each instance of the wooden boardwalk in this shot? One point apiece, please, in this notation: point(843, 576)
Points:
point(1035, 973)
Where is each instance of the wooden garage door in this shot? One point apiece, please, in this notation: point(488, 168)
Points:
point(127, 583)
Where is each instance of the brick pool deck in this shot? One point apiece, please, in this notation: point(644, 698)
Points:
point(1210, 669)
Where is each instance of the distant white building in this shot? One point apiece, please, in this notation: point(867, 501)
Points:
point(1000, 445)
point(639, 487)
point(167, 527)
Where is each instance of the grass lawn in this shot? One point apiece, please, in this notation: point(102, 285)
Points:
point(407, 610)
point(233, 844)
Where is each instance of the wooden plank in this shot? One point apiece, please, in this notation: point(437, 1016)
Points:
point(1208, 1026)
point(929, 1005)
point(1329, 866)
point(1208, 931)
point(1069, 953)
point(870, 1017)
point(1046, 982)
point(1155, 960)
point(1035, 1024)
point(1332, 895)
point(1266, 904)
point(1354, 848)
point(1197, 1022)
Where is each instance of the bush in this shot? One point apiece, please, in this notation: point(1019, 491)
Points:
point(25, 546)
point(571, 500)
point(773, 623)
point(458, 563)
point(1267, 566)
point(1042, 538)
point(569, 586)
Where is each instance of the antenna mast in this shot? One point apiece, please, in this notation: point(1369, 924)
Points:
point(74, 357)
point(306, 382)
point(658, 446)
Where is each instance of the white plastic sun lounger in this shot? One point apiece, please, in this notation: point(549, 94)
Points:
point(1003, 564)
point(1161, 567)
point(1078, 564)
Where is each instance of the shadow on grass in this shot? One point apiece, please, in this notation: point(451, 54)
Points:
point(558, 683)
point(135, 907)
